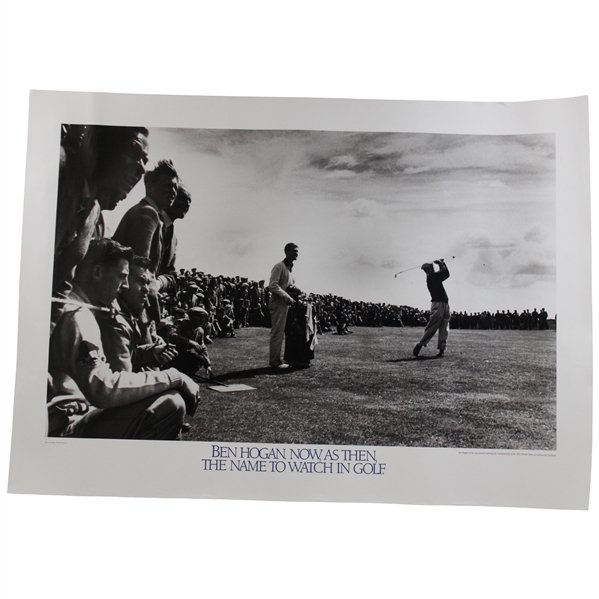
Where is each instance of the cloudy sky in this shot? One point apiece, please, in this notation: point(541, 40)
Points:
point(363, 206)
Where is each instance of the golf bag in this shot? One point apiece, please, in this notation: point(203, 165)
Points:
point(300, 331)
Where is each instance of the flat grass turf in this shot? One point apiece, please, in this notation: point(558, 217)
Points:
point(493, 389)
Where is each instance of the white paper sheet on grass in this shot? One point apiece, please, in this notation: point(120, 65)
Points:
point(232, 387)
point(557, 479)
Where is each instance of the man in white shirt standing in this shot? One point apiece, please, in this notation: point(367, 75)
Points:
point(281, 280)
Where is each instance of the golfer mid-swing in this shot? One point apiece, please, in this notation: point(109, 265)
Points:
point(440, 314)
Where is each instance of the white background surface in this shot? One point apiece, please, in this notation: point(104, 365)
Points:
point(413, 474)
point(96, 547)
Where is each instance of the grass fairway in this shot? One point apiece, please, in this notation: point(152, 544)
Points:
point(493, 389)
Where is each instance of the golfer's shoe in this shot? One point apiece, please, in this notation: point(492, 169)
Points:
point(441, 353)
point(281, 366)
point(417, 349)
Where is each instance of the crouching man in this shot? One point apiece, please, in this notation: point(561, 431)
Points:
point(87, 397)
point(129, 337)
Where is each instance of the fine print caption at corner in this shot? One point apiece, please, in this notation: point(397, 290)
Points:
point(227, 458)
point(511, 453)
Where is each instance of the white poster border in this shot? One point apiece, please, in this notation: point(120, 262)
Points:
point(549, 479)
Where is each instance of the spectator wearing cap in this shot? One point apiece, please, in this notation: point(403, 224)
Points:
point(241, 305)
point(224, 318)
point(178, 210)
point(199, 319)
point(191, 296)
point(180, 332)
point(256, 295)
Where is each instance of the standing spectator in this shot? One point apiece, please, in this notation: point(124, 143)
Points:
point(241, 305)
point(256, 315)
point(142, 227)
point(224, 319)
point(178, 210)
point(281, 279)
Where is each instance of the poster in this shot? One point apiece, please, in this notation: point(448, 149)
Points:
point(367, 190)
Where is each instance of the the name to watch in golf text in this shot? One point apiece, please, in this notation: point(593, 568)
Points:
point(276, 460)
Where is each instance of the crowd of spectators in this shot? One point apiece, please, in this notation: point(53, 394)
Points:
point(504, 320)
point(110, 374)
point(237, 302)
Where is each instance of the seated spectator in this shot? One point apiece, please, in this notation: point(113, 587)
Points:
point(130, 341)
point(180, 332)
point(199, 319)
point(210, 330)
point(341, 319)
point(103, 402)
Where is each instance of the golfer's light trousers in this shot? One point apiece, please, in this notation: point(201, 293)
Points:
point(278, 314)
point(439, 321)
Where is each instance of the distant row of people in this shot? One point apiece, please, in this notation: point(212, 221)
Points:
point(237, 302)
point(504, 320)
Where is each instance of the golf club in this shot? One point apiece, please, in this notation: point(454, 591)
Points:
point(415, 267)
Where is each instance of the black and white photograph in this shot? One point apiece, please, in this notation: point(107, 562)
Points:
point(305, 287)
point(416, 177)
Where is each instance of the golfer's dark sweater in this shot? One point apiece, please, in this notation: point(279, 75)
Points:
point(434, 282)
